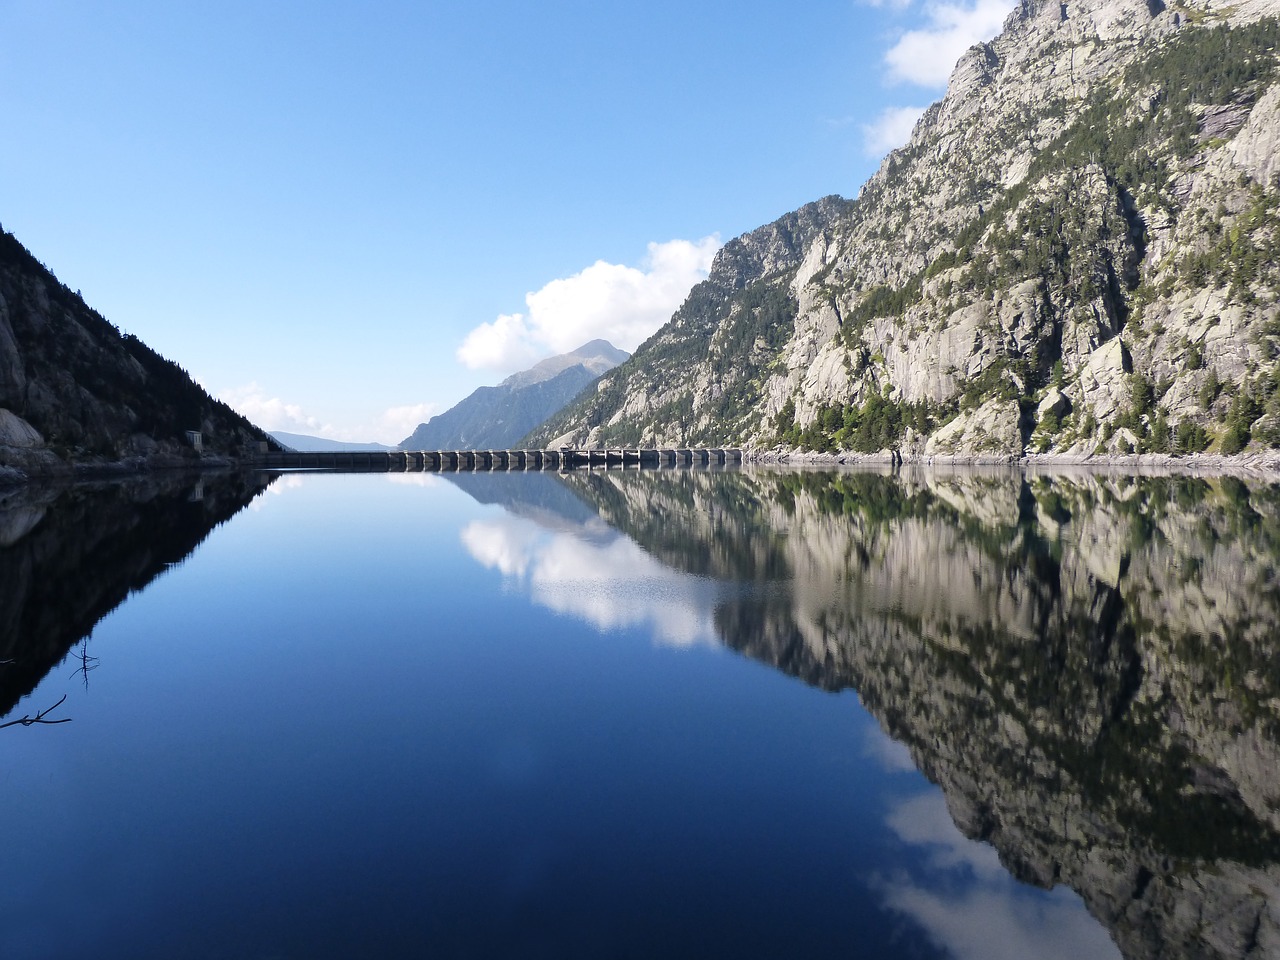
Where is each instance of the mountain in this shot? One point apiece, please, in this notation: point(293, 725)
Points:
point(1077, 252)
point(499, 417)
point(302, 442)
point(74, 390)
point(598, 356)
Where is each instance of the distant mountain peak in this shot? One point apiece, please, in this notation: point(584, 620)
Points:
point(498, 417)
point(596, 355)
point(310, 444)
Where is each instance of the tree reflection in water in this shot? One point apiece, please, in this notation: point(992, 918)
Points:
point(69, 554)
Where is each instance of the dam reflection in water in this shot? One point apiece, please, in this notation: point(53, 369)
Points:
point(493, 715)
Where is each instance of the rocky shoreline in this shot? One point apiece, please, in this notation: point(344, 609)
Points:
point(59, 471)
point(1260, 465)
point(1263, 466)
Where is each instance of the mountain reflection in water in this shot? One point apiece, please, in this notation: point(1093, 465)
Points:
point(1086, 664)
point(69, 554)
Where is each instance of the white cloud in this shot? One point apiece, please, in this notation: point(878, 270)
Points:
point(926, 56)
point(889, 130)
point(396, 423)
point(506, 345)
point(388, 426)
point(270, 413)
point(621, 304)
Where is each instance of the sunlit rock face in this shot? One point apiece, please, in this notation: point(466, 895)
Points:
point(1085, 664)
point(1091, 208)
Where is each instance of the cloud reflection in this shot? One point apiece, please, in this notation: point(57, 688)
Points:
point(414, 479)
point(970, 905)
point(924, 821)
point(278, 487)
point(607, 582)
point(892, 755)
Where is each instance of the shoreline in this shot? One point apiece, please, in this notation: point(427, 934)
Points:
point(1261, 466)
point(12, 475)
point(1257, 465)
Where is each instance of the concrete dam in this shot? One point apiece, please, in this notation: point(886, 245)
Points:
point(418, 461)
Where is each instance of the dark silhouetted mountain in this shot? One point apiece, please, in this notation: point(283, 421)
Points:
point(74, 390)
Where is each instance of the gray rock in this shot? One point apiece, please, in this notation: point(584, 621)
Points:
point(991, 431)
point(1103, 385)
point(16, 432)
point(1055, 404)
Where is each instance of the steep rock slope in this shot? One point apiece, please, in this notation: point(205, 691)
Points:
point(1078, 251)
point(74, 389)
point(498, 417)
point(703, 368)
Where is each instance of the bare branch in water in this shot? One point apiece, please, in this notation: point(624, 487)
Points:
point(87, 663)
point(39, 717)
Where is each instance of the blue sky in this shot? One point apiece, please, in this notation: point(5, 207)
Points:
point(343, 218)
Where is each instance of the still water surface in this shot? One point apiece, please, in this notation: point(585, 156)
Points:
point(641, 714)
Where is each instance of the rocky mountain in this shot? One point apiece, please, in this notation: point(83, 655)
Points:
point(1095, 691)
point(597, 356)
point(1077, 252)
point(75, 390)
point(499, 417)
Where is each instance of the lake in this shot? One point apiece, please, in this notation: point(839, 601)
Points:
point(660, 713)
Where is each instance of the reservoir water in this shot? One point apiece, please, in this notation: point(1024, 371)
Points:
point(641, 714)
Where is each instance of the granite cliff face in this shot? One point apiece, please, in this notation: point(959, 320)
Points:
point(74, 390)
point(1094, 690)
point(1078, 251)
point(699, 370)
